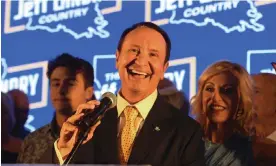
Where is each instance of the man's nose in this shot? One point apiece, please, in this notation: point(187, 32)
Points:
point(142, 59)
point(63, 89)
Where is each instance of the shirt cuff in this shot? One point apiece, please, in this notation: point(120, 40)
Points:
point(59, 156)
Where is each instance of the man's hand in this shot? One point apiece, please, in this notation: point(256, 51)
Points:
point(69, 130)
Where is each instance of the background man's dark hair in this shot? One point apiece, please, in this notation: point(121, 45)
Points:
point(151, 26)
point(73, 64)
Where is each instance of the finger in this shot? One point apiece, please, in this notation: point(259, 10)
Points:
point(93, 128)
point(67, 126)
point(70, 143)
point(91, 132)
point(74, 118)
point(95, 102)
point(74, 137)
point(89, 106)
point(67, 131)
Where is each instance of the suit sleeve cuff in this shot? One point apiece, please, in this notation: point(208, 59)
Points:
point(59, 156)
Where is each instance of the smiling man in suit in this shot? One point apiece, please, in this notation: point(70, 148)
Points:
point(143, 128)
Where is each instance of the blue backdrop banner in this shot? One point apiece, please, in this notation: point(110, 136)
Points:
point(202, 32)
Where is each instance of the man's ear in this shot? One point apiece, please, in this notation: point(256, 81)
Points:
point(89, 93)
point(166, 65)
point(117, 58)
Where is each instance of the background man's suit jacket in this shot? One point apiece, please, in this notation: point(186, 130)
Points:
point(168, 137)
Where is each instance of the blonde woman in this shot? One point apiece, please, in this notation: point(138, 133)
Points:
point(223, 106)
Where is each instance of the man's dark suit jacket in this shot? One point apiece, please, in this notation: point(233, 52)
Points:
point(168, 137)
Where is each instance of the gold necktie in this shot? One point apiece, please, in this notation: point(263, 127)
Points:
point(128, 134)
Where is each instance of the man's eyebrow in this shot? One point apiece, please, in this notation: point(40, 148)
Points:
point(67, 79)
point(135, 45)
point(71, 78)
point(54, 79)
point(154, 50)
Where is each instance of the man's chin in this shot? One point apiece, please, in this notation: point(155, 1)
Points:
point(137, 88)
point(66, 111)
point(141, 91)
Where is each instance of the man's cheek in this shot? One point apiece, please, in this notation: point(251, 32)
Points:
point(123, 62)
point(157, 69)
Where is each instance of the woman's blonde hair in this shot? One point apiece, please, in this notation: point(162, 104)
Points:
point(245, 92)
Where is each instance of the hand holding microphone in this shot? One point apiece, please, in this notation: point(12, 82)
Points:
point(87, 117)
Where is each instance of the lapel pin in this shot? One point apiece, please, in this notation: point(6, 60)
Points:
point(157, 128)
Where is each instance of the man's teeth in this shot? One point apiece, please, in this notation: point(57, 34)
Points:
point(138, 72)
point(216, 107)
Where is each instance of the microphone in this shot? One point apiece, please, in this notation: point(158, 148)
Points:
point(108, 100)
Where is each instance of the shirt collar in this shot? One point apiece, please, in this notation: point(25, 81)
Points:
point(144, 106)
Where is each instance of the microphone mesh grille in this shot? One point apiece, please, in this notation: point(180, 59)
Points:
point(112, 97)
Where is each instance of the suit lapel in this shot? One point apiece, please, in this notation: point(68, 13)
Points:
point(107, 138)
point(156, 127)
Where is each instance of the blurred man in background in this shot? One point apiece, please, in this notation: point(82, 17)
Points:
point(265, 120)
point(21, 111)
point(71, 84)
point(172, 95)
point(10, 146)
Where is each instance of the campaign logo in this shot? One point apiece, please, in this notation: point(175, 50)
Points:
point(182, 72)
point(230, 15)
point(259, 61)
point(30, 78)
point(106, 75)
point(55, 16)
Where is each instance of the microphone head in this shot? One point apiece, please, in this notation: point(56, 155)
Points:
point(112, 97)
